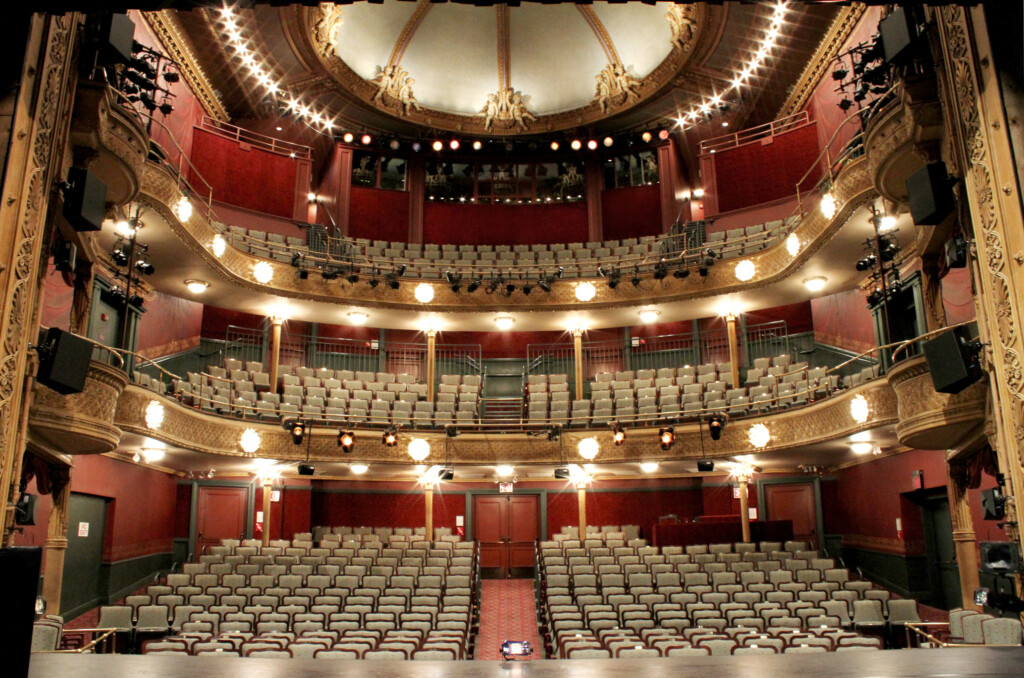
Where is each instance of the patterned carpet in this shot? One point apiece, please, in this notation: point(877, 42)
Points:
point(507, 612)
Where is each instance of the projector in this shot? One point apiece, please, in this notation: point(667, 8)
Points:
point(306, 469)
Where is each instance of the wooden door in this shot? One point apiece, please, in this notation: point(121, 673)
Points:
point(506, 527)
point(793, 502)
point(220, 515)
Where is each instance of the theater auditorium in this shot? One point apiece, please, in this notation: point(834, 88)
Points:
point(463, 338)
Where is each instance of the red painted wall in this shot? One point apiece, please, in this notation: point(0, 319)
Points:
point(799, 316)
point(216, 320)
point(506, 224)
point(169, 325)
point(289, 515)
point(233, 215)
point(378, 214)
point(631, 212)
point(767, 170)
point(843, 320)
point(245, 176)
point(957, 296)
point(182, 510)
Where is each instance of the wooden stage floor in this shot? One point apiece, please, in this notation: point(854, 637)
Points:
point(889, 663)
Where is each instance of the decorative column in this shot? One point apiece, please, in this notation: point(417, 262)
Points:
point(431, 362)
point(274, 360)
point(731, 314)
point(428, 518)
point(267, 491)
point(745, 508)
point(581, 495)
point(964, 540)
point(577, 352)
point(57, 537)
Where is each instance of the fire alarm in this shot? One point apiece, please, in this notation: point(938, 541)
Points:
point(103, 317)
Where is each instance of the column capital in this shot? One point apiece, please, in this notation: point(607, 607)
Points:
point(58, 543)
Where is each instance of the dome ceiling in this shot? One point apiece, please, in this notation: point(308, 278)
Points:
point(503, 70)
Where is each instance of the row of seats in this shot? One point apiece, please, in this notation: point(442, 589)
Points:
point(973, 627)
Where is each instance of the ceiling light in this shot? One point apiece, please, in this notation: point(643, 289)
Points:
point(424, 293)
point(745, 270)
point(592, 144)
point(618, 434)
point(218, 245)
point(154, 414)
point(504, 322)
point(346, 441)
point(576, 144)
point(348, 137)
point(859, 409)
point(554, 145)
point(861, 448)
point(863, 436)
point(437, 145)
point(649, 315)
point(183, 209)
point(358, 469)
point(152, 455)
point(504, 471)
point(792, 244)
point(759, 436)
point(358, 317)
point(828, 205)
point(419, 449)
point(646, 136)
point(263, 272)
point(886, 224)
point(453, 144)
point(815, 283)
point(250, 441)
point(196, 286)
point(649, 466)
point(477, 145)
point(588, 448)
point(366, 139)
point(608, 141)
point(585, 291)
point(667, 437)
point(663, 135)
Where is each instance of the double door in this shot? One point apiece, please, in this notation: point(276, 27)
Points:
point(506, 528)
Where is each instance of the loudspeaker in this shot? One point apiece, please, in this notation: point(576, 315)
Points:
point(993, 504)
point(705, 465)
point(112, 36)
point(64, 256)
point(25, 509)
point(951, 361)
point(561, 473)
point(1000, 557)
point(63, 361)
point(956, 252)
point(898, 32)
point(446, 474)
point(306, 469)
point(930, 194)
point(19, 570)
point(85, 203)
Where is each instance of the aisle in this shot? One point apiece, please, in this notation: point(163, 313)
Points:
point(507, 612)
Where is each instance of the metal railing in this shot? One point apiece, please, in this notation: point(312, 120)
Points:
point(256, 140)
point(751, 134)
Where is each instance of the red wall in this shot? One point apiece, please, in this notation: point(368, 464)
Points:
point(378, 214)
point(169, 325)
point(844, 321)
point(57, 299)
point(245, 176)
point(631, 212)
point(216, 320)
point(798, 316)
point(957, 296)
point(232, 215)
point(507, 224)
point(767, 170)
point(289, 515)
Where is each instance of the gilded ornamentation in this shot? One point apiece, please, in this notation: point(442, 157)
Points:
point(394, 90)
point(328, 18)
point(683, 24)
point(616, 87)
point(80, 423)
point(506, 107)
point(928, 419)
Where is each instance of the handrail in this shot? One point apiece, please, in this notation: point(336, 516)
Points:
point(87, 648)
point(224, 129)
point(753, 133)
point(932, 333)
point(919, 629)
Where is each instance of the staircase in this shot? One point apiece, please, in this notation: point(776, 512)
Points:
point(501, 411)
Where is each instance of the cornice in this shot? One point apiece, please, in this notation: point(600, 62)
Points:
point(842, 26)
point(165, 26)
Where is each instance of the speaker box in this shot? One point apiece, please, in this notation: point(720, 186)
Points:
point(992, 504)
point(930, 194)
point(25, 509)
point(19, 570)
point(956, 252)
point(705, 465)
point(64, 253)
point(898, 33)
point(306, 469)
point(561, 473)
point(1000, 557)
point(112, 36)
point(951, 361)
point(85, 204)
point(63, 361)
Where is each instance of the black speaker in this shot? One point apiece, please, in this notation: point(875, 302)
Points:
point(112, 36)
point(993, 504)
point(898, 32)
point(63, 361)
point(705, 465)
point(561, 473)
point(85, 203)
point(952, 361)
point(446, 474)
point(956, 252)
point(25, 509)
point(930, 194)
point(306, 469)
point(1000, 557)
point(64, 253)
point(19, 570)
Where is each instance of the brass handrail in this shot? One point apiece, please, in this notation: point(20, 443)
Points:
point(88, 647)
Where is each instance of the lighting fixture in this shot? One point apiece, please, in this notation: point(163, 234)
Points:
point(437, 146)
point(745, 270)
point(588, 448)
point(278, 313)
point(544, 284)
point(474, 285)
point(792, 244)
point(392, 281)
point(815, 283)
point(419, 449)
point(759, 436)
point(358, 469)
point(453, 144)
point(348, 138)
point(250, 441)
point(744, 471)
point(828, 205)
point(346, 441)
point(646, 136)
point(576, 144)
point(618, 434)
point(152, 454)
point(613, 279)
point(635, 280)
point(859, 409)
point(554, 145)
point(424, 293)
point(698, 193)
point(154, 415)
point(504, 471)
point(509, 289)
point(136, 457)
point(196, 286)
point(863, 436)
point(728, 309)
point(667, 437)
point(390, 437)
point(585, 291)
point(649, 466)
point(649, 315)
point(218, 245)
point(660, 270)
point(297, 429)
point(126, 227)
point(358, 317)
point(554, 432)
point(886, 224)
point(263, 272)
point(579, 476)
point(681, 273)
point(311, 198)
point(504, 322)
point(477, 145)
point(183, 209)
point(861, 448)
point(592, 144)
point(366, 139)
point(716, 424)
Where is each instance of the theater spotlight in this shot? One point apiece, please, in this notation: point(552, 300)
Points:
point(474, 285)
point(492, 285)
point(352, 277)
point(346, 441)
point(635, 280)
point(613, 279)
point(374, 282)
point(554, 432)
point(716, 423)
point(660, 270)
point(681, 273)
point(703, 270)
point(297, 430)
point(618, 434)
point(509, 289)
point(392, 280)
point(451, 431)
point(390, 437)
point(454, 279)
point(527, 288)
point(544, 284)
point(667, 436)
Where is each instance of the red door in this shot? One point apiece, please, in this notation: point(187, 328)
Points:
point(794, 502)
point(220, 515)
point(506, 527)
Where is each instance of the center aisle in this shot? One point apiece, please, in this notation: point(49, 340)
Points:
point(508, 611)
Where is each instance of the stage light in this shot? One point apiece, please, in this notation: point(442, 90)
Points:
point(703, 270)
point(419, 449)
point(618, 434)
point(416, 147)
point(592, 144)
point(297, 429)
point(509, 289)
point(608, 141)
point(681, 273)
point(366, 139)
point(437, 145)
point(667, 437)
point(585, 291)
point(614, 279)
point(716, 423)
point(663, 135)
point(453, 144)
point(348, 137)
point(660, 270)
point(635, 280)
point(646, 136)
point(576, 144)
point(392, 281)
point(554, 145)
point(554, 432)
point(544, 284)
point(474, 285)
point(504, 322)
point(346, 441)
point(492, 285)
point(390, 437)
point(840, 73)
point(588, 448)
point(477, 145)
point(515, 648)
point(145, 267)
point(424, 293)
point(394, 145)
point(745, 270)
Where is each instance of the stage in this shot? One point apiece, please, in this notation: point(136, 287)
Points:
point(998, 661)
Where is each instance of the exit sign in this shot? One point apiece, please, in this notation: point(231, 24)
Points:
point(506, 488)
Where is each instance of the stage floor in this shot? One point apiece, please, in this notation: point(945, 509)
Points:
point(888, 663)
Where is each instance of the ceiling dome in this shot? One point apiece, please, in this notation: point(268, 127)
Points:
point(503, 70)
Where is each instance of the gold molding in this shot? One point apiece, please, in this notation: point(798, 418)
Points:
point(838, 33)
point(164, 25)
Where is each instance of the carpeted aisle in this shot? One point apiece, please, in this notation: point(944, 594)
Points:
point(507, 612)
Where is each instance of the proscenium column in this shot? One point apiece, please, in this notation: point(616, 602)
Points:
point(964, 540)
point(56, 538)
point(581, 494)
point(734, 350)
point(577, 351)
point(275, 349)
point(428, 518)
point(744, 508)
point(431, 364)
point(267, 491)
